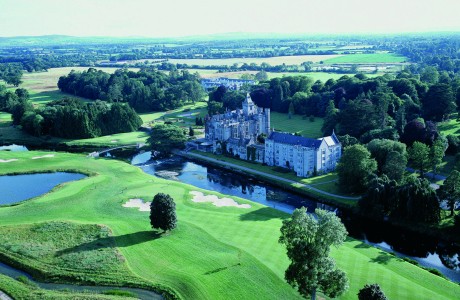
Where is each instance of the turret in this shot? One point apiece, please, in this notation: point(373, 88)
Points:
point(248, 106)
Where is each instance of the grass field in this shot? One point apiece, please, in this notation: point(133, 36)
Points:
point(297, 123)
point(451, 126)
point(323, 76)
point(5, 119)
point(366, 58)
point(274, 61)
point(42, 86)
point(215, 253)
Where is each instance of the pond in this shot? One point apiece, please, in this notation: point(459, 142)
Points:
point(427, 251)
point(17, 188)
point(13, 147)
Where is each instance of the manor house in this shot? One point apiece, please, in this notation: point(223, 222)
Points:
point(240, 132)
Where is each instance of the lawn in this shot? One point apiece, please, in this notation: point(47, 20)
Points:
point(184, 116)
point(297, 123)
point(5, 119)
point(451, 126)
point(366, 58)
point(213, 248)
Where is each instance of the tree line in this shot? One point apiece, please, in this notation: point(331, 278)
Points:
point(145, 90)
point(68, 118)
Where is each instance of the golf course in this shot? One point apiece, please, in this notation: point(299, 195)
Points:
point(81, 232)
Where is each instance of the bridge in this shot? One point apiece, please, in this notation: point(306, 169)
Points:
point(98, 153)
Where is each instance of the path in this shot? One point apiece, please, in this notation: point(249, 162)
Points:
point(97, 153)
point(4, 296)
point(298, 184)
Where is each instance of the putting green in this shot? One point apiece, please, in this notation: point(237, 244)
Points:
point(215, 252)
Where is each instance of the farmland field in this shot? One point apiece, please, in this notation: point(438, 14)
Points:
point(278, 60)
point(237, 247)
point(366, 58)
point(323, 76)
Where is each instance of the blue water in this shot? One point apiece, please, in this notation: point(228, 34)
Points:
point(16, 188)
point(429, 252)
point(13, 147)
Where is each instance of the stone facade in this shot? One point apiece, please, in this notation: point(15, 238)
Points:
point(235, 132)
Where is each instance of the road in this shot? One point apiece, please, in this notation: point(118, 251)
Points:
point(249, 170)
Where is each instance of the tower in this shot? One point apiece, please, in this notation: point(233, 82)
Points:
point(267, 120)
point(248, 106)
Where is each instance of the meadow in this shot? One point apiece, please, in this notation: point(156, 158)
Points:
point(214, 253)
point(273, 61)
point(371, 58)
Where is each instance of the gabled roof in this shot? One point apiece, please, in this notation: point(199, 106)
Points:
point(290, 139)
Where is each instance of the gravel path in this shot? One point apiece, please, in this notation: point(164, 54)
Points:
point(4, 296)
point(310, 187)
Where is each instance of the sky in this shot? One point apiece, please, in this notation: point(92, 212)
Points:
point(174, 18)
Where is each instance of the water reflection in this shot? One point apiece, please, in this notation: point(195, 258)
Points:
point(423, 249)
point(16, 188)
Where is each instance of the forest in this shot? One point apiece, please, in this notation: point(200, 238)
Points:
point(146, 90)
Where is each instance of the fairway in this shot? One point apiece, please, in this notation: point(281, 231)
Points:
point(366, 58)
point(215, 253)
point(297, 124)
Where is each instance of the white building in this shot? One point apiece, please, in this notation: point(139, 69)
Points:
point(305, 156)
point(235, 132)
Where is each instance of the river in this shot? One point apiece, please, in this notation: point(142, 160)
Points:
point(427, 251)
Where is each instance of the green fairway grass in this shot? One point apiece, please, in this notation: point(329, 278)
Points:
point(5, 119)
point(215, 252)
point(451, 126)
point(297, 123)
point(366, 58)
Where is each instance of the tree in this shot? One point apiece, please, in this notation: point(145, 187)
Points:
point(163, 212)
point(371, 292)
point(164, 138)
point(261, 76)
point(291, 109)
point(450, 190)
point(419, 154)
point(331, 119)
point(191, 132)
point(354, 168)
point(437, 152)
point(395, 165)
point(215, 107)
point(308, 239)
point(438, 102)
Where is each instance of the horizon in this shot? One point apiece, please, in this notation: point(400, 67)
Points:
point(181, 19)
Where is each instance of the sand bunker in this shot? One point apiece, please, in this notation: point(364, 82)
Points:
point(219, 202)
point(114, 141)
point(7, 160)
point(139, 203)
point(44, 156)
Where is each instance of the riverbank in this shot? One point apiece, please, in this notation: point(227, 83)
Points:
point(301, 187)
point(284, 180)
point(236, 245)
